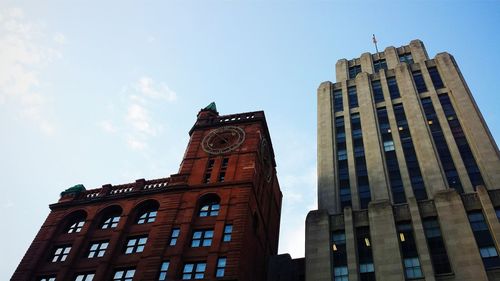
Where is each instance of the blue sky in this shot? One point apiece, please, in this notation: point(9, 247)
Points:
point(97, 93)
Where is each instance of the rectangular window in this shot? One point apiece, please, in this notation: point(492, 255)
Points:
point(378, 94)
point(340, 273)
point(207, 178)
point(389, 145)
point(175, 235)
point(461, 141)
point(147, 216)
point(76, 226)
point(419, 82)
point(484, 240)
point(221, 267)
point(441, 146)
point(437, 249)
point(396, 183)
point(354, 70)
point(365, 256)
point(412, 268)
point(222, 176)
point(412, 165)
point(497, 211)
point(360, 162)
point(85, 276)
point(225, 162)
point(342, 167)
point(163, 270)
point(342, 154)
point(379, 64)
point(136, 244)
point(409, 250)
point(202, 238)
point(436, 78)
point(194, 271)
point(353, 97)
point(393, 87)
point(339, 255)
point(408, 58)
point(97, 249)
point(210, 164)
point(111, 222)
point(47, 278)
point(61, 253)
point(228, 230)
point(124, 274)
point(338, 104)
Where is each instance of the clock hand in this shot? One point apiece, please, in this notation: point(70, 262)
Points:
point(222, 138)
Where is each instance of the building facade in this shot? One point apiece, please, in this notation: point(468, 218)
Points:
point(408, 174)
point(216, 219)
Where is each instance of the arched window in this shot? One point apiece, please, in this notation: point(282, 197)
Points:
point(209, 206)
point(111, 217)
point(76, 222)
point(147, 212)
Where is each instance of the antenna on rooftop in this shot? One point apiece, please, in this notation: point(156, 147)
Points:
point(375, 42)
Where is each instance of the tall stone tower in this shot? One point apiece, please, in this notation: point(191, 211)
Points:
point(217, 219)
point(408, 174)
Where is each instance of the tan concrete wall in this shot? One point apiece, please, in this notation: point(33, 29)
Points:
point(385, 246)
point(421, 241)
point(318, 246)
point(458, 237)
point(450, 140)
point(418, 51)
point(350, 237)
point(490, 215)
point(341, 70)
point(422, 139)
point(373, 153)
point(477, 133)
point(366, 63)
point(327, 195)
point(391, 57)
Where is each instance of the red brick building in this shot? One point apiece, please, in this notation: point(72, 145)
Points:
point(217, 219)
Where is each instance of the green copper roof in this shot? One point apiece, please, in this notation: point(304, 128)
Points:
point(74, 189)
point(211, 106)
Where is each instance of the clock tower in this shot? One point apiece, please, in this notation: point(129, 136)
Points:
point(216, 219)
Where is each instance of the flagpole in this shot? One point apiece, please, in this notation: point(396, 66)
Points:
point(375, 42)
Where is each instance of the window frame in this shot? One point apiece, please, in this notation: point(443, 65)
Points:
point(204, 239)
point(228, 231)
point(137, 246)
point(174, 236)
point(84, 276)
point(96, 253)
point(220, 267)
point(110, 221)
point(76, 226)
point(124, 274)
point(162, 275)
point(60, 256)
point(194, 273)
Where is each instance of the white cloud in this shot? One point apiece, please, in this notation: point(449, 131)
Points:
point(147, 87)
point(137, 113)
point(108, 126)
point(24, 55)
point(136, 144)
point(59, 38)
point(138, 117)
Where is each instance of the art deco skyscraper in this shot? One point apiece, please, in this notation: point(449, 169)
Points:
point(408, 174)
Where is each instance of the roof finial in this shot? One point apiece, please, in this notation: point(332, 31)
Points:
point(211, 107)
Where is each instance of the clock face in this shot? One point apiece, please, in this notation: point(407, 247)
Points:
point(267, 162)
point(224, 139)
